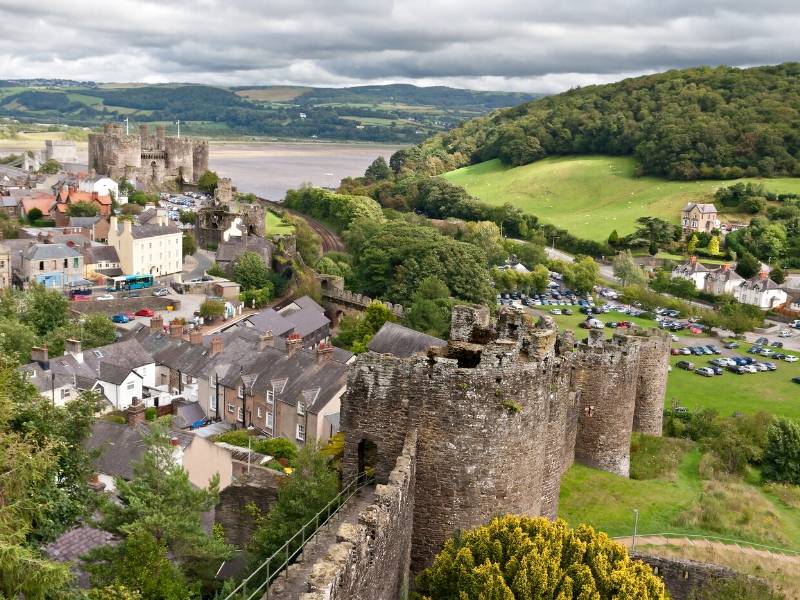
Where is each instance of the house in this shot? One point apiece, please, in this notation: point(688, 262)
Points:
point(40, 201)
point(69, 194)
point(761, 291)
point(99, 259)
point(121, 445)
point(697, 217)
point(102, 186)
point(155, 248)
point(10, 206)
point(229, 251)
point(96, 227)
point(401, 341)
point(302, 317)
point(693, 270)
point(58, 380)
point(722, 280)
point(5, 266)
point(121, 371)
point(51, 265)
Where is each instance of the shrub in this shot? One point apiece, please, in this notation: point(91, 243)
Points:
point(278, 448)
point(150, 413)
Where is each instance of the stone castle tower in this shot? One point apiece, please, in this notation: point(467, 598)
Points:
point(499, 414)
point(152, 160)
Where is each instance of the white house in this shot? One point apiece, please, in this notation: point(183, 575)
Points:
point(722, 280)
point(122, 372)
point(761, 291)
point(154, 249)
point(693, 271)
point(104, 186)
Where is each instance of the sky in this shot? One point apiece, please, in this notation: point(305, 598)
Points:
point(517, 45)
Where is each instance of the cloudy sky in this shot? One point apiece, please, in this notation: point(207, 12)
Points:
point(524, 45)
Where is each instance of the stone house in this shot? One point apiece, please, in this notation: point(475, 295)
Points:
point(155, 248)
point(698, 217)
point(692, 270)
point(51, 265)
point(722, 280)
point(761, 291)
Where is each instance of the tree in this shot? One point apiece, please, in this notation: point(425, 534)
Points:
point(257, 298)
point(486, 235)
point(777, 275)
point(130, 208)
point(187, 217)
point(82, 209)
point(754, 204)
point(160, 513)
point(16, 339)
point(355, 332)
point(216, 270)
point(582, 274)
point(429, 311)
point(520, 557)
point(92, 330)
point(378, 170)
point(34, 215)
point(212, 309)
point(189, 245)
point(747, 266)
point(781, 460)
point(207, 182)
point(44, 310)
point(691, 245)
point(50, 167)
point(713, 245)
point(627, 271)
point(250, 271)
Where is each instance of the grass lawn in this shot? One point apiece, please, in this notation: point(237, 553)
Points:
point(590, 195)
point(677, 500)
point(273, 225)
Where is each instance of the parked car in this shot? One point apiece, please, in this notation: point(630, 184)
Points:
point(739, 370)
point(731, 345)
point(762, 341)
point(771, 366)
point(105, 297)
point(777, 344)
point(555, 311)
point(796, 379)
point(785, 333)
point(81, 298)
point(567, 311)
point(120, 318)
point(685, 364)
point(145, 312)
point(704, 371)
point(791, 358)
point(130, 314)
point(161, 292)
point(673, 337)
point(717, 370)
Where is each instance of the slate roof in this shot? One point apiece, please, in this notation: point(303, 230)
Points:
point(186, 413)
point(49, 251)
point(401, 341)
point(113, 363)
point(689, 268)
point(100, 253)
point(703, 208)
point(120, 446)
point(270, 320)
point(73, 544)
point(759, 283)
point(87, 222)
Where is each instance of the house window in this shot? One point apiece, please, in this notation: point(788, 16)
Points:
point(258, 412)
point(301, 409)
point(131, 385)
point(64, 393)
point(241, 391)
point(300, 434)
point(240, 415)
point(230, 408)
point(41, 265)
point(66, 263)
point(269, 420)
point(270, 396)
point(75, 263)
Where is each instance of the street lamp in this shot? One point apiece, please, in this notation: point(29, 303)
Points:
point(635, 528)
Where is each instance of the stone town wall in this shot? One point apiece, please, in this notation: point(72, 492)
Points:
point(682, 576)
point(371, 559)
point(113, 307)
point(259, 490)
point(648, 416)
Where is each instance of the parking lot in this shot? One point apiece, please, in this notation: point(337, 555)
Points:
point(187, 202)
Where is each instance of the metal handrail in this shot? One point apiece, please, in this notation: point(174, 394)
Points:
point(333, 507)
point(712, 538)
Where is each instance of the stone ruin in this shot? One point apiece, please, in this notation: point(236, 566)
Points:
point(151, 160)
point(226, 219)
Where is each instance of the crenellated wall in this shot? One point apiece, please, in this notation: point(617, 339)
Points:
point(500, 413)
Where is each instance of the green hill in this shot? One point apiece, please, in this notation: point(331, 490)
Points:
point(589, 195)
point(709, 123)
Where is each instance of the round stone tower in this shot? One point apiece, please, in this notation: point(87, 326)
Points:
point(652, 382)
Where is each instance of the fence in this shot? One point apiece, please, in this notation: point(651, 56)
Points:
point(269, 570)
point(709, 538)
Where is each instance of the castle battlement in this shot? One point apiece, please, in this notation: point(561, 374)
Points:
point(500, 413)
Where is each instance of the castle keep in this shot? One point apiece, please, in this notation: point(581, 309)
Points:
point(496, 416)
point(151, 160)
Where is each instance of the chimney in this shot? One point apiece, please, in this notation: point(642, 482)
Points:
point(265, 340)
point(127, 227)
point(324, 353)
point(176, 329)
point(293, 343)
point(72, 346)
point(196, 337)
point(40, 355)
point(217, 345)
point(763, 275)
point(156, 323)
point(112, 224)
point(726, 267)
point(135, 413)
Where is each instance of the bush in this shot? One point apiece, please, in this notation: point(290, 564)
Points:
point(237, 437)
point(212, 309)
point(150, 413)
point(781, 461)
point(277, 448)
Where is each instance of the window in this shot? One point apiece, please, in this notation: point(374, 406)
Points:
point(301, 409)
point(269, 419)
point(258, 412)
point(241, 391)
point(230, 408)
point(66, 263)
point(41, 265)
point(300, 434)
point(240, 415)
point(131, 385)
point(270, 396)
point(64, 393)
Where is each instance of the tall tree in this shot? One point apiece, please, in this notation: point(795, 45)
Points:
point(250, 271)
point(207, 182)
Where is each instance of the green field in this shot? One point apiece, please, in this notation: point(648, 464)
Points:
point(590, 195)
point(274, 225)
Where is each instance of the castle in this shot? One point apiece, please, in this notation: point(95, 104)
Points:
point(152, 161)
point(487, 424)
point(228, 220)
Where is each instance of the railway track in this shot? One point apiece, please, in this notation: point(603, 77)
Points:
point(331, 242)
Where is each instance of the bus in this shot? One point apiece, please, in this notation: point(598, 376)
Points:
point(123, 283)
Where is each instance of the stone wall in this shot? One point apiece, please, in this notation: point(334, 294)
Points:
point(371, 559)
point(651, 387)
point(682, 576)
point(259, 490)
point(113, 307)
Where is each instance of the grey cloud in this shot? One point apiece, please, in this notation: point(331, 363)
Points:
point(535, 45)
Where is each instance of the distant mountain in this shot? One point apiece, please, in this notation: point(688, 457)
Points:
point(382, 113)
point(701, 123)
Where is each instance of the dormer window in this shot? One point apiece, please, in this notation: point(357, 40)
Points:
point(301, 409)
point(241, 391)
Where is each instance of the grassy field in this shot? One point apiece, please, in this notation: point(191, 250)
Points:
point(273, 94)
point(273, 225)
point(677, 500)
point(590, 195)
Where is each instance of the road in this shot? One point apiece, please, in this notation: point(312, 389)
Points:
point(331, 242)
point(199, 263)
point(606, 271)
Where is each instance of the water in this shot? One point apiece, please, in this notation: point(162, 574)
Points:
point(269, 169)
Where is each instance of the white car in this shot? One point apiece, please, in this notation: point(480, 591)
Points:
point(791, 358)
point(786, 333)
point(761, 367)
point(105, 297)
point(674, 337)
point(555, 311)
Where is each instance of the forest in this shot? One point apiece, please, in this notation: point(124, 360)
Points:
point(699, 123)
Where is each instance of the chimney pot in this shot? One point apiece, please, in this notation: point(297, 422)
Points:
point(324, 353)
point(196, 337)
point(693, 259)
point(156, 323)
point(293, 343)
point(135, 413)
point(173, 441)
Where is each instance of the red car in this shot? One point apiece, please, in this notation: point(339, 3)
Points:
point(131, 316)
point(145, 312)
